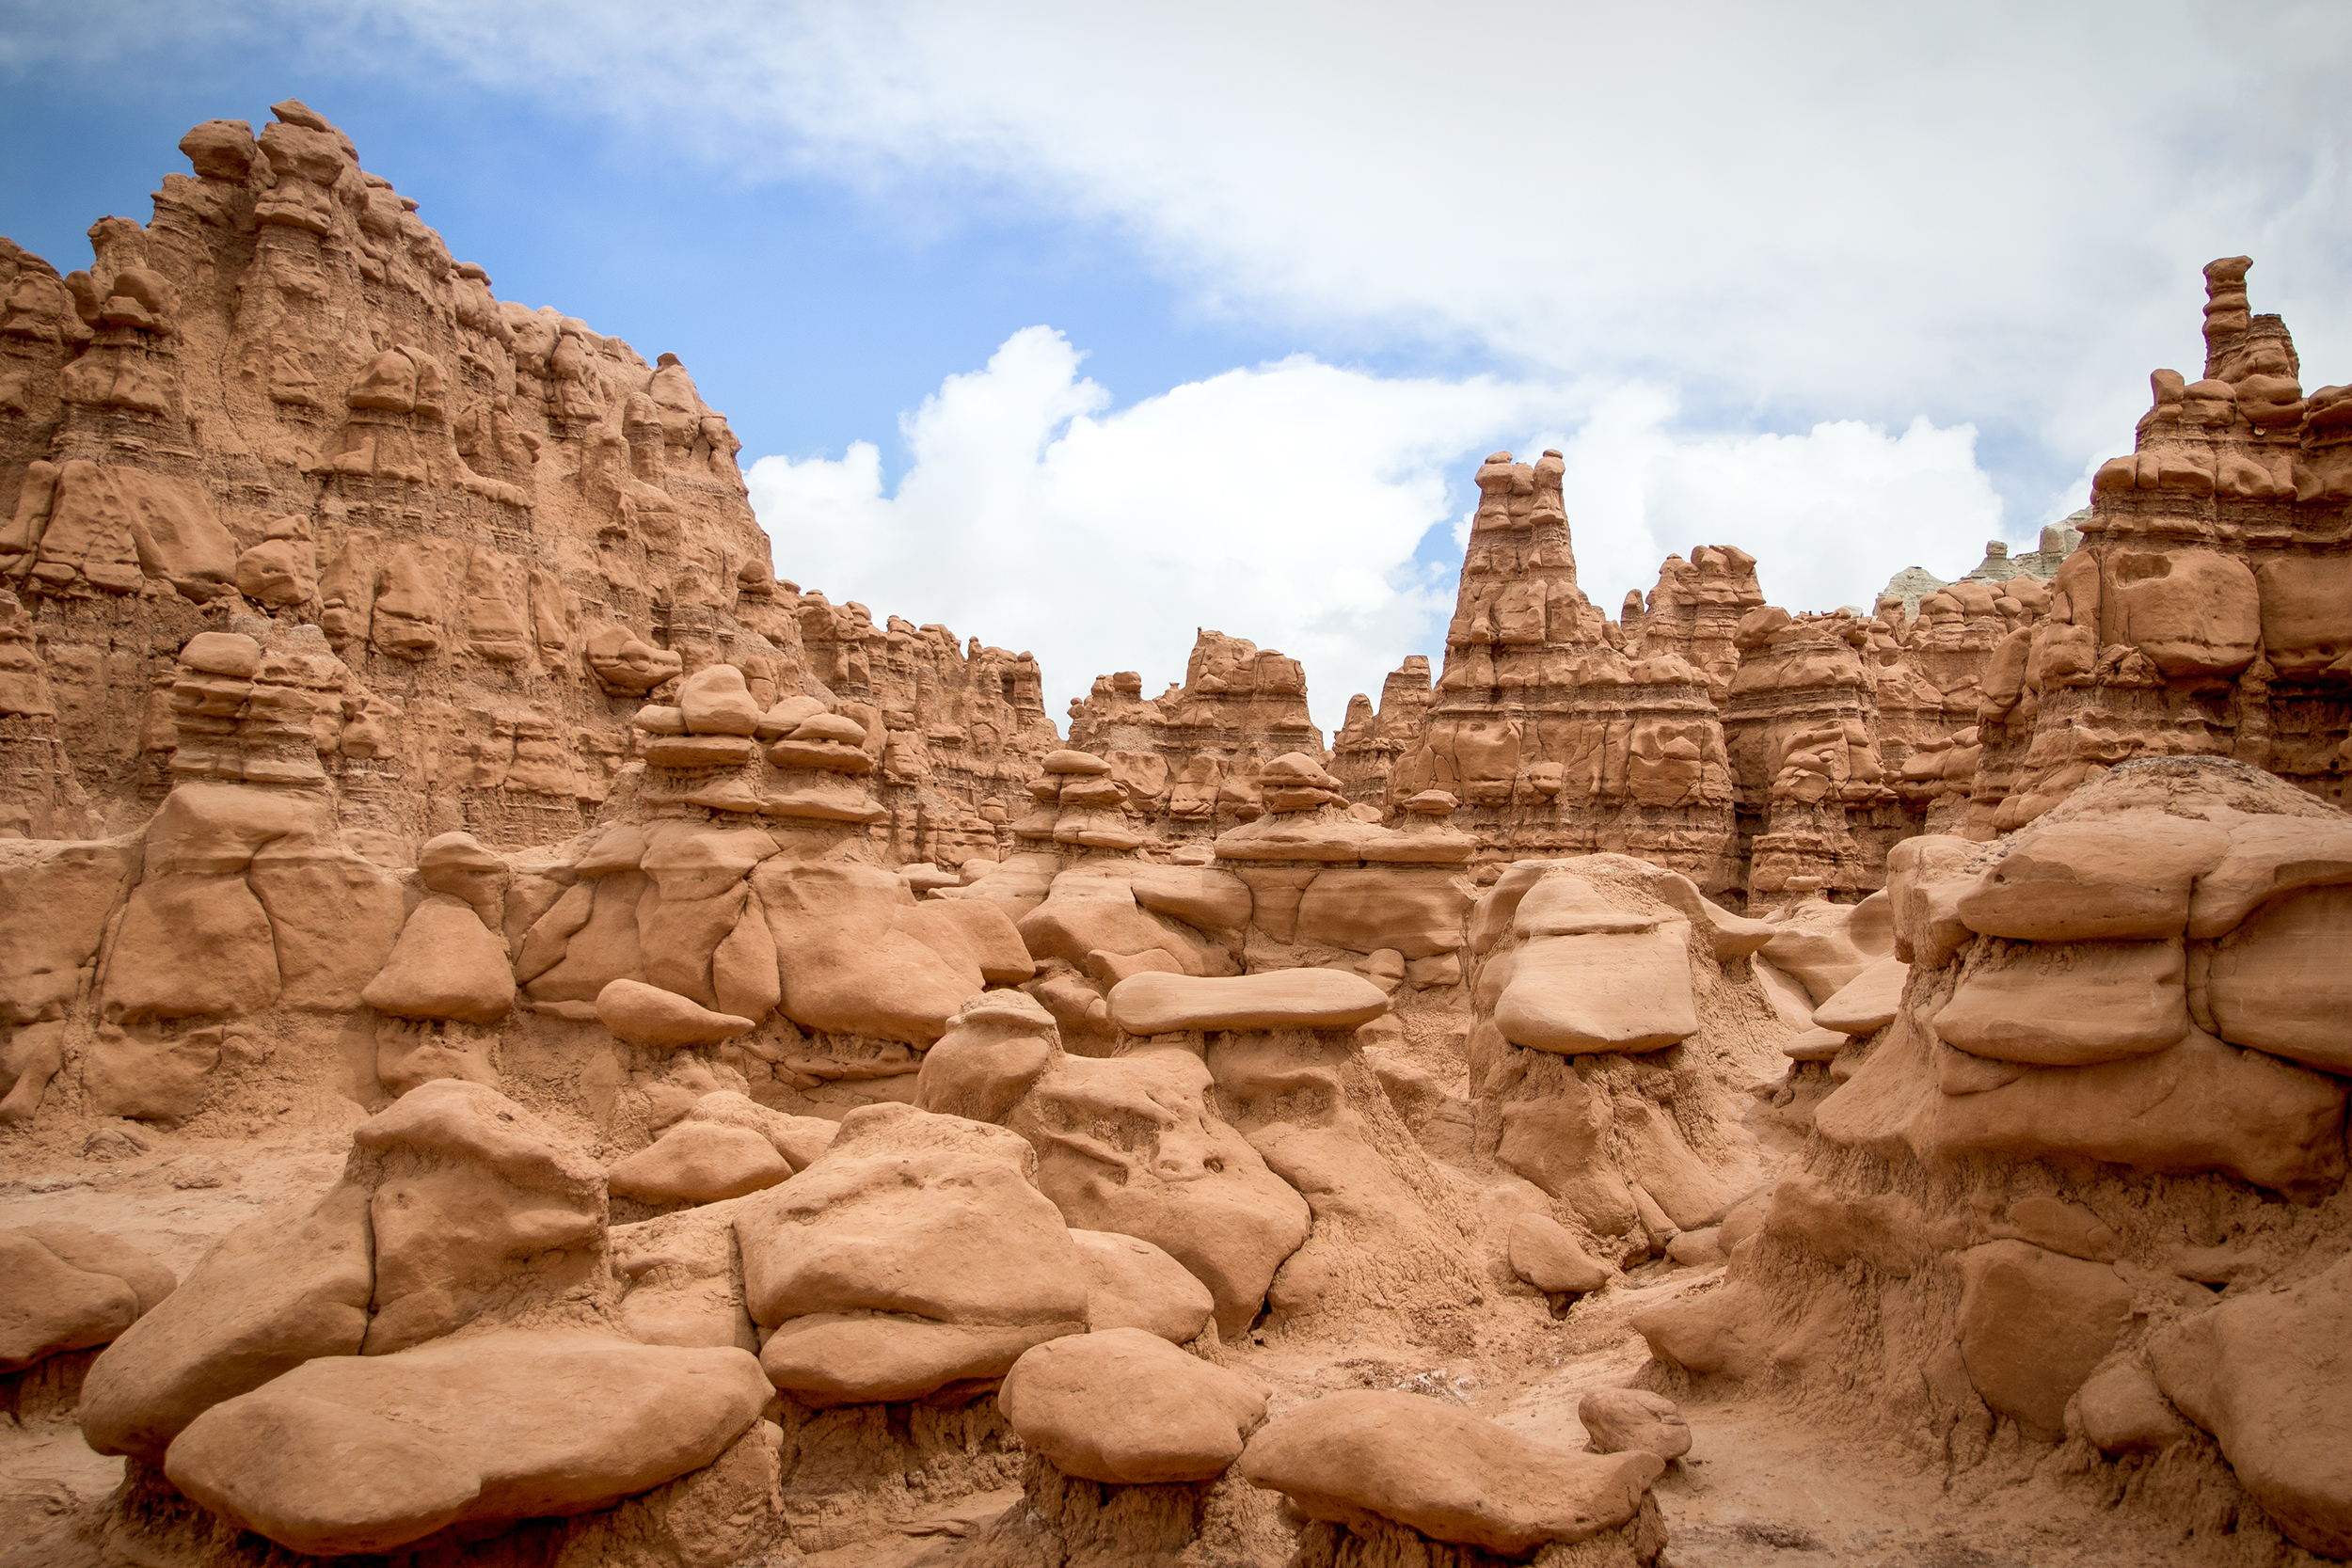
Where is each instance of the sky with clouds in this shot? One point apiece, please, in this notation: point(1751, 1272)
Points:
point(1078, 326)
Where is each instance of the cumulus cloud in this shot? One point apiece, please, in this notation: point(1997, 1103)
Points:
point(1831, 210)
point(1281, 504)
point(1829, 514)
point(1789, 214)
point(1284, 504)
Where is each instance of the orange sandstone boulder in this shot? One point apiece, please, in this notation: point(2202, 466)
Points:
point(66, 1287)
point(1133, 1284)
point(368, 1453)
point(273, 1294)
point(1369, 1456)
point(661, 1019)
point(1122, 1405)
point(911, 1254)
point(2266, 1373)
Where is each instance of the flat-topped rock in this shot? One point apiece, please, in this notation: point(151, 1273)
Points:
point(1124, 1406)
point(1439, 1471)
point(1868, 1002)
point(1335, 839)
point(1283, 998)
point(348, 1454)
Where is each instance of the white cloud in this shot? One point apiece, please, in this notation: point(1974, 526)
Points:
point(1284, 504)
point(1829, 514)
point(1281, 504)
point(1823, 210)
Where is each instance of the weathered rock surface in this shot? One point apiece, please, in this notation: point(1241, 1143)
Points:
point(1124, 1405)
point(1441, 1472)
point(1290, 999)
point(1624, 1420)
point(2266, 1375)
point(68, 1288)
point(368, 1453)
point(914, 1253)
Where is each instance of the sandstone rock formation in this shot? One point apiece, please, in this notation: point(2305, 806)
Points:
point(719, 1081)
point(2064, 1139)
point(2205, 614)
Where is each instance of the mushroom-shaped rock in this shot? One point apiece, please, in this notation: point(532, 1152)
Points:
point(1627, 1420)
point(911, 1254)
point(715, 700)
point(454, 852)
point(1868, 1002)
point(699, 1161)
point(1280, 999)
point(1815, 1045)
point(222, 653)
point(2120, 874)
point(350, 1454)
point(662, 1020)
point(1124, 1406)
point(1069, 762)
point(1600, 987)
point(481, 1213)
point(1545, 1253)
point(66, 1287)
point(831, 729)
point(1372, 1455)
point(446, 965)
point(1133, 1284)
point(996, 1045)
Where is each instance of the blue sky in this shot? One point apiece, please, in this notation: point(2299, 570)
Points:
point(1077, 328)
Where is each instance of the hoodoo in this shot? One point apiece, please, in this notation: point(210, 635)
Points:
point(526, 1037)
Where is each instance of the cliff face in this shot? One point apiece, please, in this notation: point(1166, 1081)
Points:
point(2209, 611)
point(474, 536)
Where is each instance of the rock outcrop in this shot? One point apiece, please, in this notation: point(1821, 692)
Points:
point(790, 1097)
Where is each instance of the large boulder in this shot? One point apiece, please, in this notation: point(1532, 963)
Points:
point(447, 965)
point(1133, 1284)
point(1132, 1144)
point(279, 1289)
point(2266, 1373)
point(369, 1453)
point(914, 1253)
point(1124, 1406)
point(1371, 1455)
point(66, 1287)
point(2032, 1326)
point(477, 1209)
